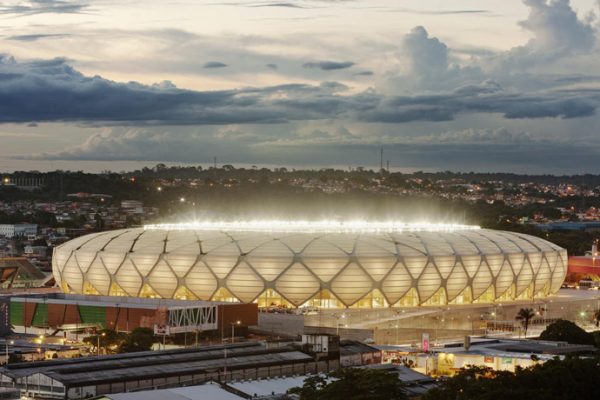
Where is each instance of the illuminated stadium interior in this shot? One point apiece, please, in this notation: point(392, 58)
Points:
point(313, 264)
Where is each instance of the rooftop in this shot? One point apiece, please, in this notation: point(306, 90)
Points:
point(210, 391)
point(154, 364)
point(110, 301)
point(325, 226)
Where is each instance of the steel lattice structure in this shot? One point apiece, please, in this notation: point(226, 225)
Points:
point(299, 268)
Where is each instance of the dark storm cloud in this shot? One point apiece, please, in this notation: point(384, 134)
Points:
point(214, 64)
point(328, 65)
point(51, 90)
point(34, 7)
point(485, 98)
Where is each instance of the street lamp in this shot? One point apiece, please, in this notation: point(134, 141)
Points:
point(103, 334)
point(398, 312)
point(337, 325)
point(233, 324)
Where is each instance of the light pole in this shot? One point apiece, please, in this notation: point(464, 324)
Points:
point(103, 334)
point(398, 312)
point(6, 343)
point(337, 322)
point(41, 340)
point(233, 324)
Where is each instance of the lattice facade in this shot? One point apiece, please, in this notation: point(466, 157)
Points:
point(313, 269)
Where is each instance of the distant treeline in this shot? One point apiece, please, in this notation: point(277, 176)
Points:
point(268, 194)
point(229, 171)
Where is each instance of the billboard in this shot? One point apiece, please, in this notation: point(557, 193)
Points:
point(425, 342)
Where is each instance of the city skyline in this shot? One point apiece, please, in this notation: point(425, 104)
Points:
point(472, 86)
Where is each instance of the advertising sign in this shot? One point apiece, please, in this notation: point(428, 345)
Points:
point(425, 342)
point(161, 329)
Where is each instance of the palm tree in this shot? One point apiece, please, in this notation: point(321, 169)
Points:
point(597, 317)
point(525, 315)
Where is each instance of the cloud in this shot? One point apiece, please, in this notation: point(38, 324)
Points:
point(328, 65)
point(34, 7)
point(364, 73)
point(52, 90)
point(299, 4)
point(557, 33)
point(424, 64)
point(140, 144)
point(438, 12)
point(561, 44)
point(272, 66)
point(34, 37)
point(426, 56)
point(470, 149)
point(280, 4)
point(340, 135)
point(214, 64)
point(555, 25)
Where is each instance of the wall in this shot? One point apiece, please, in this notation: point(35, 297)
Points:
point(282, 324)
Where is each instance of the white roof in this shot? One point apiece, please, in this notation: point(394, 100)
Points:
point(266, 387)
point(210, 391)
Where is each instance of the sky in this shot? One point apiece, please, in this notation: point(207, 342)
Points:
point(460, 85)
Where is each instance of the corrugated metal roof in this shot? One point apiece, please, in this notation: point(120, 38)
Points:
point(148, 365)
point(350, 347)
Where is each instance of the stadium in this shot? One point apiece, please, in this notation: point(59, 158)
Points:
point(313, 264)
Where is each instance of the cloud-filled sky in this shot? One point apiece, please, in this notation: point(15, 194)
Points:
point(486, 85)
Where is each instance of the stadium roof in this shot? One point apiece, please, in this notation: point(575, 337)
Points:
point(241, 264)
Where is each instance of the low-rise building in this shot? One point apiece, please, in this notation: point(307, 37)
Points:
point(497, 354)
point(100, 375)
point(18, 230)
point(36, 313)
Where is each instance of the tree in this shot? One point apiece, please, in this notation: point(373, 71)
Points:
point(571, 378)
point(566, 331)
point(352, 384)
point(525, 315)
point(109, 339)
point(597, 317)
point(140, 339)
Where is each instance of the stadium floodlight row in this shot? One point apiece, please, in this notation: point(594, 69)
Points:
point(326, 265)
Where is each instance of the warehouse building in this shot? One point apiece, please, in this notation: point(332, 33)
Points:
point(94, 376)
